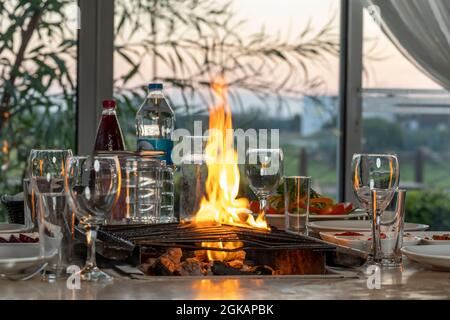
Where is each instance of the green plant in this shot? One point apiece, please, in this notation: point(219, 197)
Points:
point(37, 86)
point(429, 207)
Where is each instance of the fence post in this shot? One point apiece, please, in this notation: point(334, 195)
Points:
point(420, 165)
point(303, 162)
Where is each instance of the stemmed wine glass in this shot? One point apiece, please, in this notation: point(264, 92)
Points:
point(375, 179)
point(264, 170)
point(93, 188)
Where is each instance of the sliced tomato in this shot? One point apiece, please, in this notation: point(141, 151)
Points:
point(349, 234)
point(382, 236)
point(338, 209)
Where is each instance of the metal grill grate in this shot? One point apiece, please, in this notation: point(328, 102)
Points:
point(189, 236)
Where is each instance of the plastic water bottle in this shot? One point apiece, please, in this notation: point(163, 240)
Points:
point(155, 123)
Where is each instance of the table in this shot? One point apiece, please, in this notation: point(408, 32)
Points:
point(415, 282)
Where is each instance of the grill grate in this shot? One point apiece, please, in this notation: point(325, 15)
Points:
point(190, 236)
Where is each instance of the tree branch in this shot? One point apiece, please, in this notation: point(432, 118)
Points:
point(26, 37)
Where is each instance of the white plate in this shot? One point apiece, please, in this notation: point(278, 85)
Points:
point(427, 237)
point(363, 242)
point(356, 225)
point(19, 257)
point(277, 220)
point(434, 255)
point(12, 228)
point(358, 213)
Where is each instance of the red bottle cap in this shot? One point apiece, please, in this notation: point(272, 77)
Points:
point(109, 104)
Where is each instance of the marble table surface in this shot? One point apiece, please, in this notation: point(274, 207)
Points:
point(413, 282)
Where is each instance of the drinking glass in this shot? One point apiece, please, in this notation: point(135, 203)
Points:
point(142, 187)
point(375, 179)
point(46, 169)
point(93, 188)
point(296, 203)
point(194, 173)
point(264, 170)
point(392, 225)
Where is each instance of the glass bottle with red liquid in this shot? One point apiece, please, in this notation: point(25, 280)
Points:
point(109, 141)
point(109, 135)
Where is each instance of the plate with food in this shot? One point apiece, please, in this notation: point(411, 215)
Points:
point(362, 240)
point(356, 226)
point(433, 237)
point(437, 256)
point(320, 207)
point(20, 254)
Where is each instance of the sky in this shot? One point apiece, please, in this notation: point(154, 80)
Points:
point(291, 16)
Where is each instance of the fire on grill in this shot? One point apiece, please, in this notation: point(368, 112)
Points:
point(223, 238)
point(187, 249)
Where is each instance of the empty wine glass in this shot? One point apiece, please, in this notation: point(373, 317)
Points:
point(375, 179)
point(93, 188)
point(264, 170)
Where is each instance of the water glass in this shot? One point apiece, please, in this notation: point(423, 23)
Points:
point(194, 173)
point(296, 203)
point(142, 180)
point(392, 224)
point(47, 204)
point(167, 205)
point(55, 230)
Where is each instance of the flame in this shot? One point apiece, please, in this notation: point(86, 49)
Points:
point(220, 205)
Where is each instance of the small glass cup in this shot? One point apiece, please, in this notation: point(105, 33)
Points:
point(194, 173)
point(142, 181)
point(391, 228)
point(296, 203)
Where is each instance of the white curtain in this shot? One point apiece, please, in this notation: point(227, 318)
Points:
point(421, 31)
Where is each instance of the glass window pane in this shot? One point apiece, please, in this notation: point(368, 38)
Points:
point(407, 113)
point(279, 57)
point(38, 46)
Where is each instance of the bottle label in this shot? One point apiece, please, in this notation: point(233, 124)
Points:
point(149, 144)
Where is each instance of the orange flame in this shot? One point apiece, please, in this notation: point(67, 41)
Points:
point(221, 205)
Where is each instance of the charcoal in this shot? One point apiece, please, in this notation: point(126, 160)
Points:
point(192, 267)
point(159, 269)
point(222, 269)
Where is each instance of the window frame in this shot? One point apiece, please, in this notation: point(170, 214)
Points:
point(96, 72)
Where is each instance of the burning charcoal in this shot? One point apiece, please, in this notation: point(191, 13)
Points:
point(169, 263)
point(175, 255)
point(258, 270)
point(3, 240)
point(236, 264)
point(264, 270)
point(221, 269)
point(191, 267)
point(240, 255)
point(160, 269)
point(200, 255)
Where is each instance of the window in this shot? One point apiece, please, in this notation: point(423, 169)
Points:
point(280, 58)
point(38, 46)
point(406, 113)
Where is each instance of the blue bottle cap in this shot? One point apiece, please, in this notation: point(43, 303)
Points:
point(155, 86)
